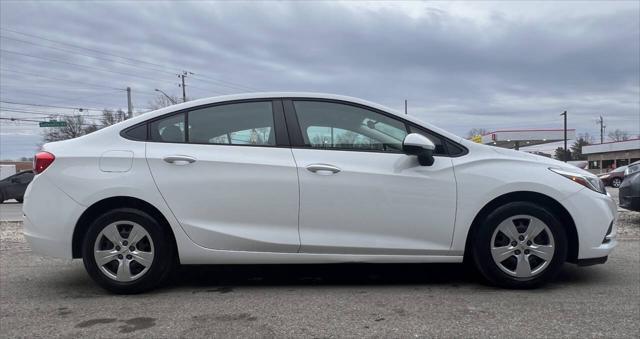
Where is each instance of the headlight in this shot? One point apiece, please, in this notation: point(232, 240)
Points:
point(592, 183)
point(631, 169)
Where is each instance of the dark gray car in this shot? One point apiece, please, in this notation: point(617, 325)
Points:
point(629, 193)
point(13, 187)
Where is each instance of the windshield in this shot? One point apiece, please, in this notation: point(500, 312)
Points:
point(620, 169)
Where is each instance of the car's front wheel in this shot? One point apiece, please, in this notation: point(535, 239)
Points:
point(520, 245)
point(127, 251)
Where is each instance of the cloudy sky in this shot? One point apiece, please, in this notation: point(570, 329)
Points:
point(460, 65)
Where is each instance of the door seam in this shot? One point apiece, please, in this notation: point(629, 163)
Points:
point(299, 199)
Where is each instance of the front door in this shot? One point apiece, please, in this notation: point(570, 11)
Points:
point(359, 194)
point(226, 178)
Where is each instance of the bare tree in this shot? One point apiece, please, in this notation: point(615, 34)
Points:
point(619, 135)
point(110, 118)
point(76, 126)
point(161, 101)
point(476, 131)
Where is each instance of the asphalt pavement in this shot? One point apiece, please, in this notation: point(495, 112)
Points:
point(43, 297)
point(10, 210)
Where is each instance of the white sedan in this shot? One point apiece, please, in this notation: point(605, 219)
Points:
point(284, 178)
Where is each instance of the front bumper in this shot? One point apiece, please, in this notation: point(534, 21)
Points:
point(594, 215)
point(591, 261)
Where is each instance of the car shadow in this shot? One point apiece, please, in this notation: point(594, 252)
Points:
point(320, 274)
point(224, 277)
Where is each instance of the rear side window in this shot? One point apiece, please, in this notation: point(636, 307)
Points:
point(247, 123)
point(138, 133)
point(169, 129)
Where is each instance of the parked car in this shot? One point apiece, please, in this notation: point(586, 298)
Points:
point(629, 194)
point(286, 178)
point(613, 178)
point(13, 187)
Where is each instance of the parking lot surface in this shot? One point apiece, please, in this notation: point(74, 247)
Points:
point(10, 210)
point(52, 297)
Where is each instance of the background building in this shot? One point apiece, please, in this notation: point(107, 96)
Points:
point(516, 138)
point(609, 155)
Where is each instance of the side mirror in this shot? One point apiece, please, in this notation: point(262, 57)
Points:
point(421, 146)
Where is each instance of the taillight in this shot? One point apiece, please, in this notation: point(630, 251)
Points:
point(41, 161)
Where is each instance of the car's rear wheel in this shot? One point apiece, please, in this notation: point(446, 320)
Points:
point(127, 251)
point(616, 182)
point(520, 245)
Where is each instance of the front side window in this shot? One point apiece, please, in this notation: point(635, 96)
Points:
point(248, 123)
point(344, 127)
point(169, 129)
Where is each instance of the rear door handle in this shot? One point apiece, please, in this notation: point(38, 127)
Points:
point(179, 160)
point(323, 169)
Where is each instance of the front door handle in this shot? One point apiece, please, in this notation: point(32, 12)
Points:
point(323, 169)
point(179, 160)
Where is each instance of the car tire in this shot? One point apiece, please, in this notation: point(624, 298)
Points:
point(138, 258)
point(509, 251)
point(616, 182)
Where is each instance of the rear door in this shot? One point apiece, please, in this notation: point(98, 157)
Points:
point(227, 173)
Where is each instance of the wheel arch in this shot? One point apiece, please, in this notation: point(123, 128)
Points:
point(534, 197)
point(107, 204)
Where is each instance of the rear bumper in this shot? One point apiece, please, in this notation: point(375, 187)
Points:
point(49, 219)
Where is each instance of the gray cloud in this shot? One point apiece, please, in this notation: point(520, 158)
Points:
point(460, 66)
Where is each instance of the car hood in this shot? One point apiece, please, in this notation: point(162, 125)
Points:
point(540, 159)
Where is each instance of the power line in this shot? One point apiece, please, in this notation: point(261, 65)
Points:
point(87, 55)
point(80, 47)
point(217, 81)
point(77, 65)
point(14, 110)
point(20, 119)
point(60, 79)
point(223, 83)
point(51, 106)
point(67, 107)
point(67, 99)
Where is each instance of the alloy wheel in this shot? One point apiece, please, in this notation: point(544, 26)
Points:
point(616, 182)
point(522, 246)
point(124, 251)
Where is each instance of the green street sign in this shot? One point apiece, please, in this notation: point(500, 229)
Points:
point(53, 123)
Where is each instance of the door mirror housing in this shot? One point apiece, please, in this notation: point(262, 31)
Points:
point(420, 146)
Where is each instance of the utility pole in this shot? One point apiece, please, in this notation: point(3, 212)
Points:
point(602, 127)
point(129, 105)
point(184, 87)
point(564, 155)
point(405, 107)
